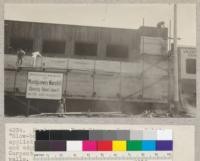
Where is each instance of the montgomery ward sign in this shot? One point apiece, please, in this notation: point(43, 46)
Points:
point(44, 85)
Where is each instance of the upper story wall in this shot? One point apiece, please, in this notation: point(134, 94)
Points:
point(71, 40)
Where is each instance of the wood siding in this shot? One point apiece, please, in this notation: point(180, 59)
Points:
point(102, 36)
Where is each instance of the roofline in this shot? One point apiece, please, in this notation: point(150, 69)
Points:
point(82, 25)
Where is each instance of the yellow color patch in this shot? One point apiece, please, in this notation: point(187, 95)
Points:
point(119, 145)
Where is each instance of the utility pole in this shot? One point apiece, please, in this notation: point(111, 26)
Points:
point(170, 32)
point(169, 66)
point(142, 58)
point(176, 77)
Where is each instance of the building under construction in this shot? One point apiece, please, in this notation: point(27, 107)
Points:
point(102, 69)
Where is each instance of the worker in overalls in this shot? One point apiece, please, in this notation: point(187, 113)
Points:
point(34, 56)
point(20, 55)
point(61, 106)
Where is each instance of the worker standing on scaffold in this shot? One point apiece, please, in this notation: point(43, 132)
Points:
point(61, 107)
point(20, 55)
point(34, 56)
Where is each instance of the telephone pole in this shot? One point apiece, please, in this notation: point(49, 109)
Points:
point(176, 74)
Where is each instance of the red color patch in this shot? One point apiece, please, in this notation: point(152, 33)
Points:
point(104, 145)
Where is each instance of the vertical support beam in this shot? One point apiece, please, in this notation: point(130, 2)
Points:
point(169, 65)
point(170, 34)
point(15, 79)
point(120, 87)
point(142, 59)
point(7, 36)
point(176, 77)
point(120, 80)
point(28, 108)
point(93, 80)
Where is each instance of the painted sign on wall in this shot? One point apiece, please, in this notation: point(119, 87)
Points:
point(42, 85)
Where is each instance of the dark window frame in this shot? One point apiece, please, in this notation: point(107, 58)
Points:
point(59, 50)
point(112, 49)
point(92, 52)
point(190, 66)
point(26, 44)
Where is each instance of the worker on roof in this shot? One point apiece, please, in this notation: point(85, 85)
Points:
point(20, 55)
point(34, 56)
point(161, 24)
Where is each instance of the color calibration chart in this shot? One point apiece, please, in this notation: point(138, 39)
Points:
point(110, 144)
point(60, 144)
point(104, 140)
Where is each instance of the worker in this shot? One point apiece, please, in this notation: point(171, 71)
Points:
point(61, 106)
point(20, 55)
point(34, 56)
point(161, 24)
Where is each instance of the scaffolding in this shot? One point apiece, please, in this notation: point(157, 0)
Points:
point(94, 74)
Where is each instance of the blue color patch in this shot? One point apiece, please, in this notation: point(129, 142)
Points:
point(148, 145)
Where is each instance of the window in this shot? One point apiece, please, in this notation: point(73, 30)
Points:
point(117, 51)
point(25, 44)
point(85, 49)
point(53, 47)
point(191, 66)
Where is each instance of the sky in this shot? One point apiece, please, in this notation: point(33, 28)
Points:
point(109, 15)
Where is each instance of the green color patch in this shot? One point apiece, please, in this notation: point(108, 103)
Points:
point(134, 145)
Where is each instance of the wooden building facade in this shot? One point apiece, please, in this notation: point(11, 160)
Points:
point(104, 69)
point(56, 40)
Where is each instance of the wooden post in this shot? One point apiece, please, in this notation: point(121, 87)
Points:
point(169, 66)
point(120, 88)
point(28, 108)
point(143, 60)
point(176, 77)
point(15, 79)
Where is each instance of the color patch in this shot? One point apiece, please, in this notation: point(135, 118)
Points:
point(164, 134)
point(89, 145)
point(136, 135)
point(57, 134)
point(57, 145)
point(42, 145)
point(164, 145)
point(109, 135)
point(42, 135)
point(46, 145)
point(134, 145)
point(149, 135)
point(74, 145)
point(119, 145)
point(96, 135)
point(62, 135)
point(104, 145)
point(148, 145)
point(123, 135)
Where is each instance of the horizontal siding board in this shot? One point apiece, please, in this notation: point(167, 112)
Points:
point(58, 63)
point(132, 68)
point(81, 64)
point(107, 86)
point(131, 87)
point(79, 84)
point(107, 66)
point(155, 88)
